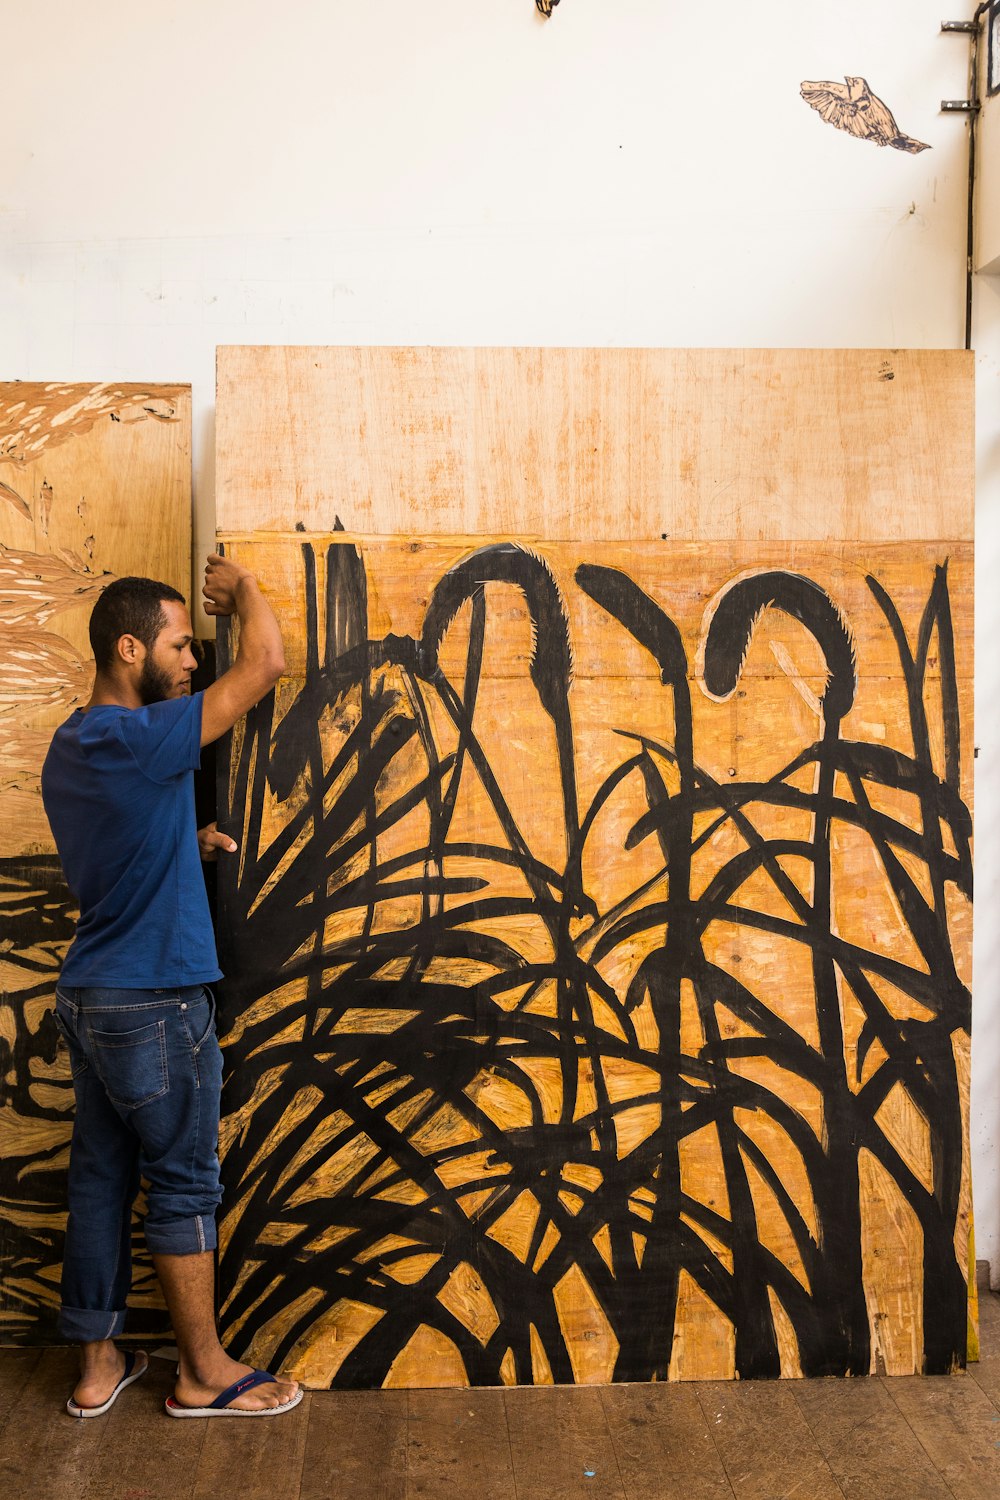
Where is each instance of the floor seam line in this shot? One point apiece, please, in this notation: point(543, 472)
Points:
point(819, 1448)
point(886, 1382)
point(708, 1423)
point(510, 1444)
point(406, 1450)
point(611, 1439)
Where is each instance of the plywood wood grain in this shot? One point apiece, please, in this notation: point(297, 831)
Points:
point(94, 484)
point(598, 443)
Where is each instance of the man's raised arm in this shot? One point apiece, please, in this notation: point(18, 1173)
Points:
point(260, 659)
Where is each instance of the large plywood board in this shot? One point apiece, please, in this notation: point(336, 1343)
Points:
point(599, 1011)
point(567, 443)
point(94, 484)
point(598, 957)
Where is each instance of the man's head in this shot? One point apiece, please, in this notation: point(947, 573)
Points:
point(140, 631)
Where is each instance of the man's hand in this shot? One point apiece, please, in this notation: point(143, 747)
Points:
point(210, 841)
point(260, 657)
point(222, 578)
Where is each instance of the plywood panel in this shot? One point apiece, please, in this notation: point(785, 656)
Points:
point(608, 444)
point(94, 484)
point(598, 962)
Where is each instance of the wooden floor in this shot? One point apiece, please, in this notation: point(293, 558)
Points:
point(902, 1439)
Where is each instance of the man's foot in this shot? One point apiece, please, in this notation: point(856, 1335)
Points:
point(105, 1372)
point(192, 1392)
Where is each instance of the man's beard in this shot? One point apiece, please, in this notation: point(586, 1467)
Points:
point(154, 684)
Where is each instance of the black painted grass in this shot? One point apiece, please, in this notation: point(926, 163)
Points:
point(387, 1092)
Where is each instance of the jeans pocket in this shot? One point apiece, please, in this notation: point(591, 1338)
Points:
point(77, 1059)
point(199, 1027)
point(199, 1020)
point(132, 1065)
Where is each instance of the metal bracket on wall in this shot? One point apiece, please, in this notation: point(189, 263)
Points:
point(962, 106)
point(970, 107)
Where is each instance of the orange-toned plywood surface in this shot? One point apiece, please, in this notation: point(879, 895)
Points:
point(564, 444)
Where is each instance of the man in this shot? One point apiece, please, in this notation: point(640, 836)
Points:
point(132, 1000)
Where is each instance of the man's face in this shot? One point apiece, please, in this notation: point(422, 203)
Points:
point(167, 668)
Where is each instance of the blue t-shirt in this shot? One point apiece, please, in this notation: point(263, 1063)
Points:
point(118, 790)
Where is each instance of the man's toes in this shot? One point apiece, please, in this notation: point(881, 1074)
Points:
point(275, 1393)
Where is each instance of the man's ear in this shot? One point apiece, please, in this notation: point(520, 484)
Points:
point(129, 650)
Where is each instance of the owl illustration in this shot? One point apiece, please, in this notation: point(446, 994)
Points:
point(852, 106)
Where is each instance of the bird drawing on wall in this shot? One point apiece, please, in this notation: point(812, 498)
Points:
point(852, 106)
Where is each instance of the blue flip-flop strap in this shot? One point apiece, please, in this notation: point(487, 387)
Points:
point(240, 1388)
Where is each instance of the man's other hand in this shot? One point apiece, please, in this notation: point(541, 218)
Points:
point(222, 578)
point(210, 841)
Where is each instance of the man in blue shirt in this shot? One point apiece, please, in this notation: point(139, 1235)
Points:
point(132, 999)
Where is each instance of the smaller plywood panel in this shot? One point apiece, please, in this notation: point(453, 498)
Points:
point(603, 443)
point(94, 484)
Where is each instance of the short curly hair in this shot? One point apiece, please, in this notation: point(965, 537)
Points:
point(129, 606)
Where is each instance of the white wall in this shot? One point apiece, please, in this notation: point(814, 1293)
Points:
point(629, 172)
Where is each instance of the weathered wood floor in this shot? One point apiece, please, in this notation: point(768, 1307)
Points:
point(902, 1439)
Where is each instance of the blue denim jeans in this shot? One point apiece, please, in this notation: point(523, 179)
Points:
point(147, 1073)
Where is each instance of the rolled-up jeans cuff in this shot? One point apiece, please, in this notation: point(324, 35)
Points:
point(181, 1236)
point(82, 1325)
